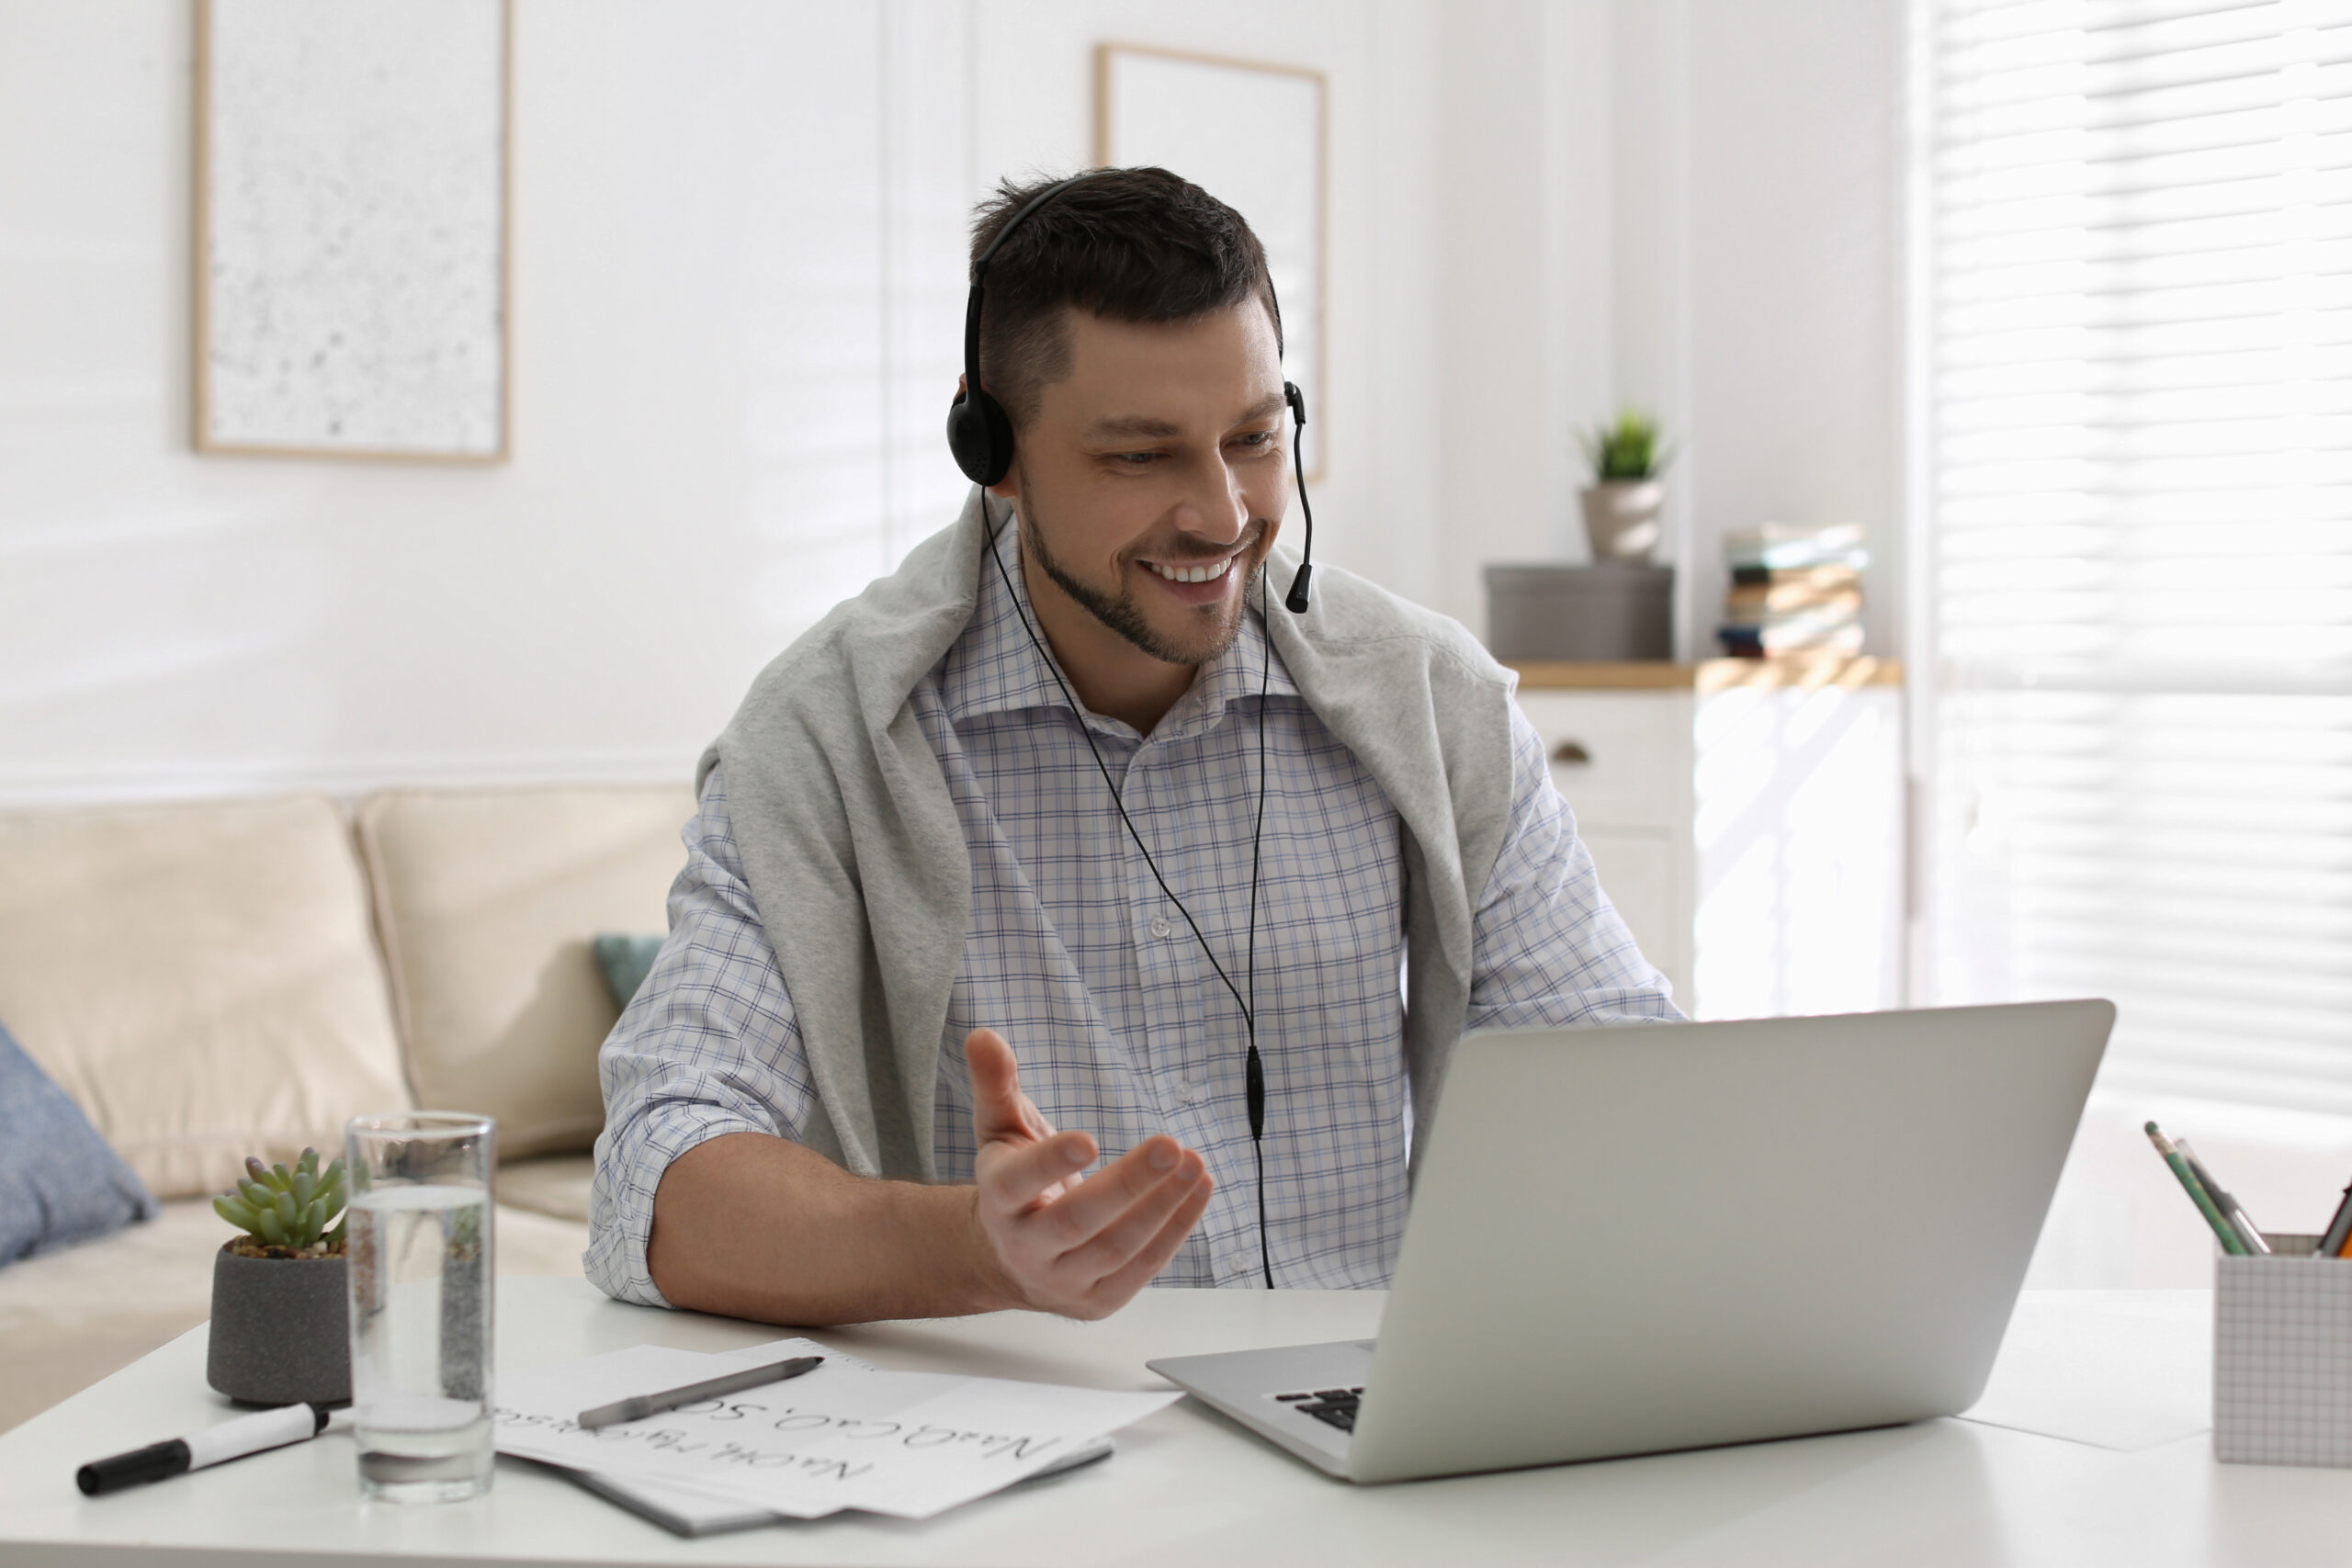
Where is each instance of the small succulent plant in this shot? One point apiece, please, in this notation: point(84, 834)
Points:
point(292, 1209)
point(1628, 450)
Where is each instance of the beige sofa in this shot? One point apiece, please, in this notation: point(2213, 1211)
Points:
point(225, 978)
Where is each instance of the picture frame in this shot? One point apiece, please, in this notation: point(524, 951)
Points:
point(1207, 118)
point(351, 266)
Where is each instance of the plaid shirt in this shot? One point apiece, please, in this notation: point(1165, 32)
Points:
point(1115, 1016)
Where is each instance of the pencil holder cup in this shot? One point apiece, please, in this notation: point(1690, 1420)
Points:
point(2282, 1357)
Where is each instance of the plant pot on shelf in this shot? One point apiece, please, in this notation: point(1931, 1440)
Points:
point(281, 1328)
point(1621, 518)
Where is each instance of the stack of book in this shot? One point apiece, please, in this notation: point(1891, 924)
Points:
point(1793, 590)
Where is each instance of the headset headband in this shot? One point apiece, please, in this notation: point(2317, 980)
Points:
point(980, 273)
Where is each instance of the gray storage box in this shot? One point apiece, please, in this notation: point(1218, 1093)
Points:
point(1612, 610)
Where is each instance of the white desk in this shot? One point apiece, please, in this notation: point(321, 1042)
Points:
point(1188, 1487)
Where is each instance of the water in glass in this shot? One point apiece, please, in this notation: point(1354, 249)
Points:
point(421, 1338)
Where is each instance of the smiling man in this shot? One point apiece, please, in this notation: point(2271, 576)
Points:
point(1005, 873)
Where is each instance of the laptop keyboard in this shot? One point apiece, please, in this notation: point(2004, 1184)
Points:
point(1335, 1405)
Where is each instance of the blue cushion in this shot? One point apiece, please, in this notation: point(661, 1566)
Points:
point(626, 961)
point(58, 1181)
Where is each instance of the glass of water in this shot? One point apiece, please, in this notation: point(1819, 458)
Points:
point(421, 1274)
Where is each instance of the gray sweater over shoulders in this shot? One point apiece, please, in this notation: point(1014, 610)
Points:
point(857, 863)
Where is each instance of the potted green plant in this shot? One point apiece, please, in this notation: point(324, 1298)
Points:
point(1623, 503)
point(280, 1301)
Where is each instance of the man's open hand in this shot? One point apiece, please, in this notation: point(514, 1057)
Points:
point(1064, 1242)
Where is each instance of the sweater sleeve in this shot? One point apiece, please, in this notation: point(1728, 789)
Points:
point(1551, 950)
point(708, 1046)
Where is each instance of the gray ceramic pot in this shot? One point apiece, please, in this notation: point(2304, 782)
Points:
point(1621, 518)
point(281, 1329)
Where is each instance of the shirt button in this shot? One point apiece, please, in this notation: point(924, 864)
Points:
point(1192, 1093)
point(1159, 926)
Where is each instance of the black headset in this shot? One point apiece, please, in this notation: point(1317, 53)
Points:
point(980, 435)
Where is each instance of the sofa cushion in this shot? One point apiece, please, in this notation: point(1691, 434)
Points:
point(201, 978)
point(625, 960)
point(556, 1186)
point(488, 902)
point(59, 1182)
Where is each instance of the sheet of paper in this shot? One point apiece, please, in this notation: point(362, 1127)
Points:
point(845, 1436)
point(678, 1509)
point(685, 1511)
point(2123, 1375)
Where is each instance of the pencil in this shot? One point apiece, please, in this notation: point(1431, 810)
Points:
point(644, 1405)
point(2230, 1208)
point(2339, 1230)
point(2221, 1227)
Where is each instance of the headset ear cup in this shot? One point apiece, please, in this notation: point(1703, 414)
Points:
point(1000, 425)
point(967, 438)
point(980, 436)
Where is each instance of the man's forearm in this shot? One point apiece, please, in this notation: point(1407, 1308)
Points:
point(760, 1227)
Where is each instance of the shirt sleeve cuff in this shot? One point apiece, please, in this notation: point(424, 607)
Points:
point(621, 1209)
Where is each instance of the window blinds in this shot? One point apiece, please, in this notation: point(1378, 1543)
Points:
point(2139, 450)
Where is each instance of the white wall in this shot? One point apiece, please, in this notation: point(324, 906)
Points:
point(1757, 186)
point(1689, 205)
point(697, 326)
point(1523, 311)
point(738, 293)
point(737, 298)
point(1794, 230)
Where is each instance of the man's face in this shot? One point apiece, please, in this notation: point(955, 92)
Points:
point(1151, 480)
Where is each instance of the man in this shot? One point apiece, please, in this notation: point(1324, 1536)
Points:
point(987, 854)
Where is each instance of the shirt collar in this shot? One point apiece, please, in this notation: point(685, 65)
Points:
point(994, 667)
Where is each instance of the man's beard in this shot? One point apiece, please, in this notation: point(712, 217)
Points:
point(1120, 611)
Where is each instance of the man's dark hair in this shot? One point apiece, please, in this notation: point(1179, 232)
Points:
point(1127, 245)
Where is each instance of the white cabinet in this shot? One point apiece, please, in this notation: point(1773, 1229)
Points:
point(1745, 819)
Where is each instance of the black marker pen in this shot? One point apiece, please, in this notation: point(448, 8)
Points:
point(214, 1445)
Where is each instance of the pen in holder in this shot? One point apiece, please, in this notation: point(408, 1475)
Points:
point(2282, 1357)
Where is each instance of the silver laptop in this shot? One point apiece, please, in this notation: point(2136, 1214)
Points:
point(1644, 1238)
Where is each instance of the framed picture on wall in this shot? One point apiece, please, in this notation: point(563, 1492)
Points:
point(1252, 135)
point(352, 237)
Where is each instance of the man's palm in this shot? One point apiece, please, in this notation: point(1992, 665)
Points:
point(1061, 1242)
